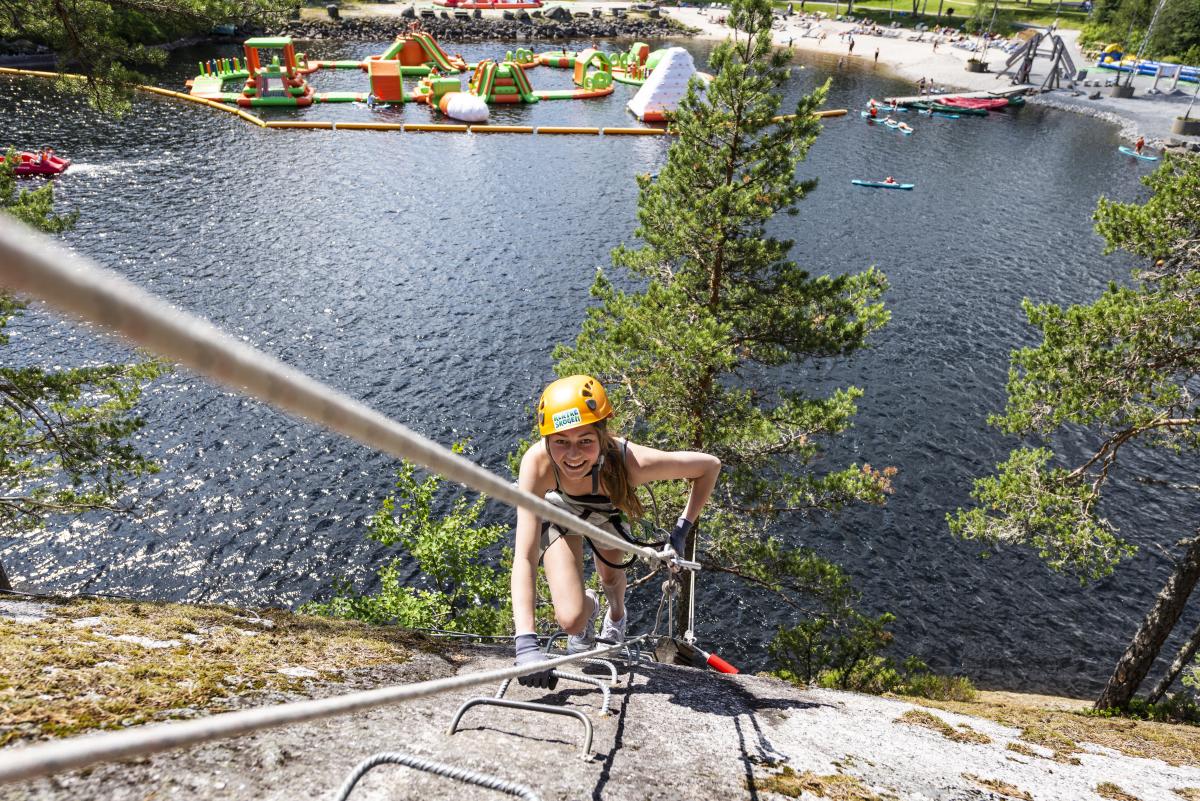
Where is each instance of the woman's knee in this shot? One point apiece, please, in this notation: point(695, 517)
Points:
point(572, 617)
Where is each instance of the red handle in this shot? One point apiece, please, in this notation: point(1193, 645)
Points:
point(717, 663)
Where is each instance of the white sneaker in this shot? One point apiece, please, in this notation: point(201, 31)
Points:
point(613, 632)
point(578, 643)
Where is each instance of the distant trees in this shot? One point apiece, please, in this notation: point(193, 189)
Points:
point(107, 40)
point(64, 432)
point(1124, 369)
point(1176, 34)
point(709, 351)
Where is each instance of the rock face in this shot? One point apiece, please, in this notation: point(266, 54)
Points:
point(672, 733)
point(478, 29)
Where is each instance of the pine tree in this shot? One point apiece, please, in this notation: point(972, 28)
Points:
point(108, 40)
point(1124, 369)
point(708, 353)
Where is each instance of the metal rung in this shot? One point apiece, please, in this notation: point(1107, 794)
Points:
point(529, 707)
point(614, 679)
point(579, 677)
point(629, 655)
point(429, 766)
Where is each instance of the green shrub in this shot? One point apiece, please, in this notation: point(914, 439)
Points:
point(844, 653)
point(458, 590)
point(1178, 708)
point(939, 688)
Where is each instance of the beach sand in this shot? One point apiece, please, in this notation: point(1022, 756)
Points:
point(1148, 115)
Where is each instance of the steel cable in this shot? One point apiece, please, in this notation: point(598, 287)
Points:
point(429, 766)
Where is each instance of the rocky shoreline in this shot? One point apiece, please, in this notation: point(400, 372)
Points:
point(522, 27)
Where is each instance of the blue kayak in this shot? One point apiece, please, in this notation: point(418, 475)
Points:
point(1129, 151)
point(945, 114)
point(881, 184)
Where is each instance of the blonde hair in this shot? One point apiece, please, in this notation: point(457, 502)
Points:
point(614, 474)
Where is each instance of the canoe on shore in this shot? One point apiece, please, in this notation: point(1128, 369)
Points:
point(985, 103)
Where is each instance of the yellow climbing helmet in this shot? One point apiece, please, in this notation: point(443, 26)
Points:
point(571, 402)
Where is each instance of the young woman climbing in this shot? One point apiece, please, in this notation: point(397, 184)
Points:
point(581, 466)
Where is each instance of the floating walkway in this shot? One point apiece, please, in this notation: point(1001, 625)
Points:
point(395, 127)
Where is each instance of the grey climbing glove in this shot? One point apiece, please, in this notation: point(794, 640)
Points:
point(679, 537)
point(528, 653)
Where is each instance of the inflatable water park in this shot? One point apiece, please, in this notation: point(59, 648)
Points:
point(1112, 57)
point(272, 73)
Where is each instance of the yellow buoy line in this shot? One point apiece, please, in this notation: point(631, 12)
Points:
point(406, 127)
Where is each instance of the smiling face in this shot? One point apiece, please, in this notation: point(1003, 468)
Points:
point(575, 451)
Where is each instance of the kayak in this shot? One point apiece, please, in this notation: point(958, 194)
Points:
point(45, 163)
point(985, 103)
point(885, 107)
point(945, 114)
point(881, 184)
point(934, 106)
point(903, 128)
point(1129, 151)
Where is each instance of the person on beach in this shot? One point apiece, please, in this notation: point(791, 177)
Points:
point(877, 55)
point(851, 50)
point(1139, 144)
point(920, 87)
point(582, 468)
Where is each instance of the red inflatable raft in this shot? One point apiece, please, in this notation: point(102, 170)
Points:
point(986, 103)
point(43, 163)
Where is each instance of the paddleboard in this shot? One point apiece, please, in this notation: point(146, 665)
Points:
point(1129, 151)
point(881, 184)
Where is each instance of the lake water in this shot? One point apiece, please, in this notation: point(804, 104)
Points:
point(431, 275)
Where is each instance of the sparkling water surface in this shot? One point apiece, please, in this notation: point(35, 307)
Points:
point(430, 276)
